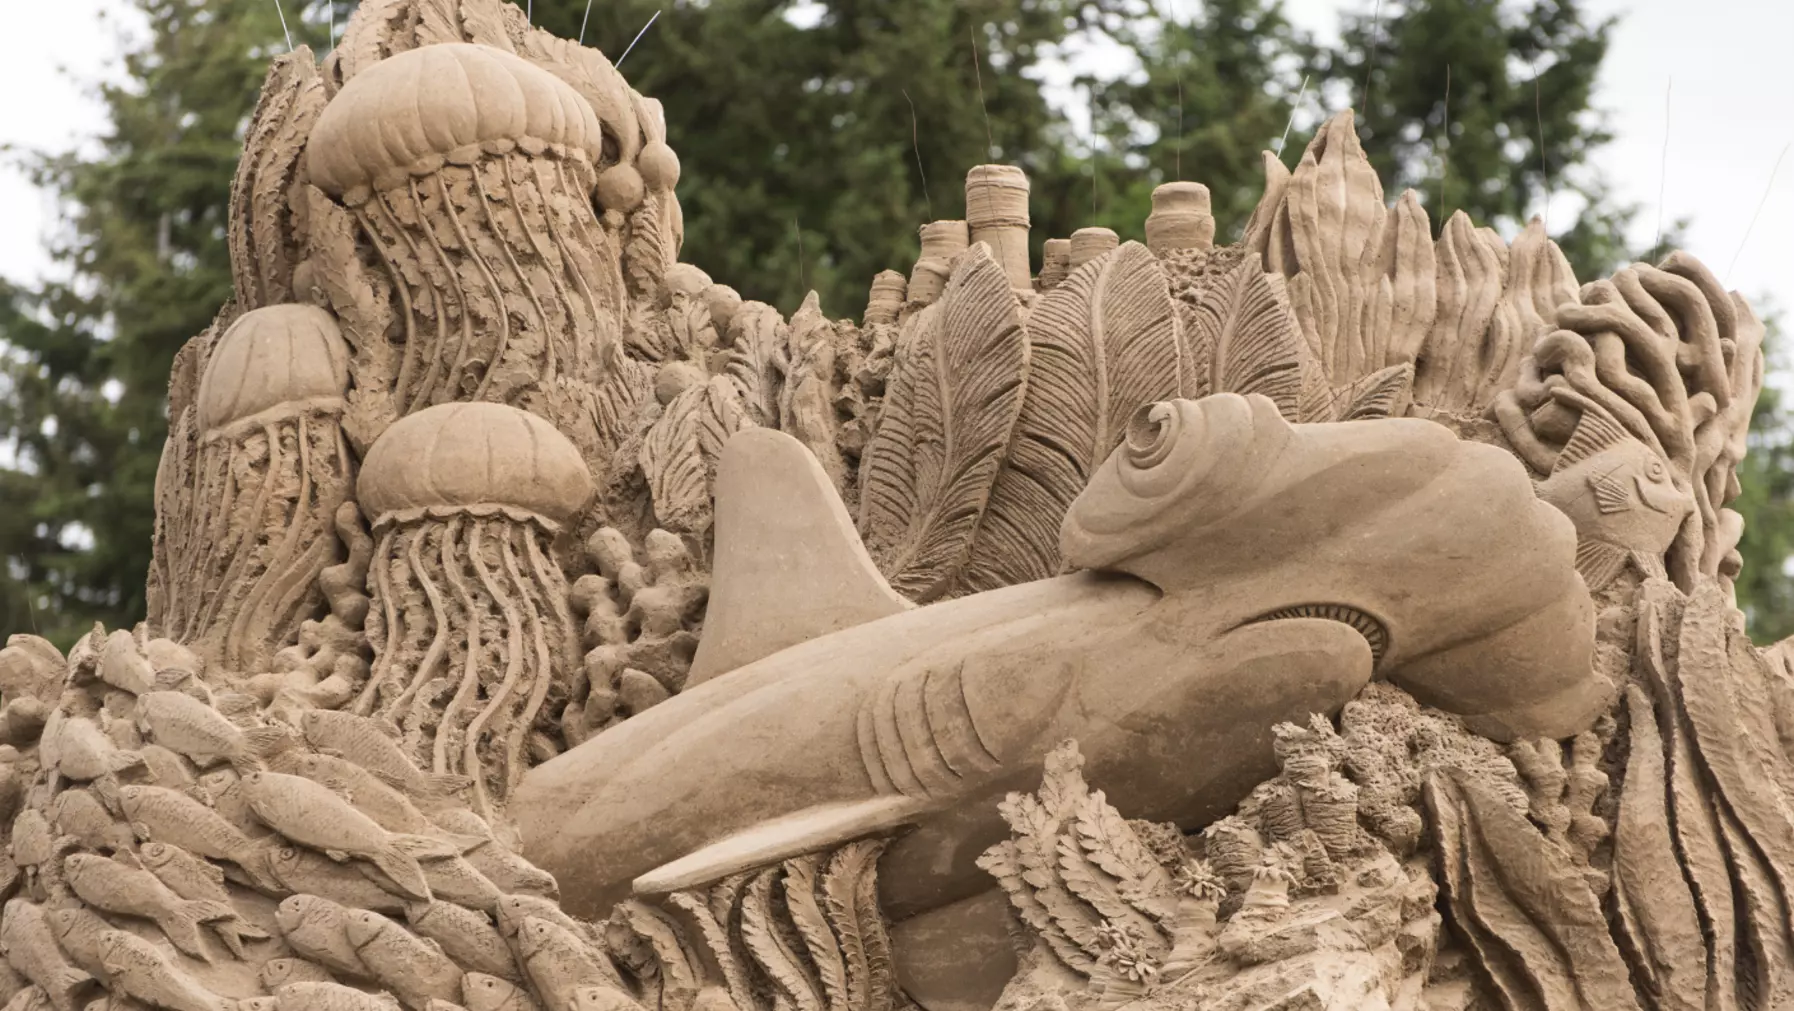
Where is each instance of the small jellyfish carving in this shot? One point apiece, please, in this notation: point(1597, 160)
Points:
point(469, 620)
point(245, 522)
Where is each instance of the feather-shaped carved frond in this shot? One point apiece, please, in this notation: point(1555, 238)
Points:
point(367, 38)
point(1253, 345)
point(679, 455)
point(1096, 886)
point(1102, 343)
point(680, 968)
point(812, 925)
point(927, 494)
point(264, 233)
point(767, 946)
point(483, 21)
point(715, 937)
point(759, 359)
point(850, 896)
point(1105, 836)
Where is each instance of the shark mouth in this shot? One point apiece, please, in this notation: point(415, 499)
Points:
point(1374, 631)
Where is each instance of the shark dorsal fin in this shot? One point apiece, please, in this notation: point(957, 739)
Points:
point(789, 565)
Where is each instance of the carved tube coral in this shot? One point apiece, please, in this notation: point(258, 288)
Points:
point(472, 171)
point(469, 620)
point(245, 524)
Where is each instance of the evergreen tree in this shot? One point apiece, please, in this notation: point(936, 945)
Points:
point(85, 375)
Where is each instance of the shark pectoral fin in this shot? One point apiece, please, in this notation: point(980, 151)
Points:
point(789, 565)
point(769, 842)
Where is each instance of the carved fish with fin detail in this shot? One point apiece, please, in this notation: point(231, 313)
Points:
point(1620, 494)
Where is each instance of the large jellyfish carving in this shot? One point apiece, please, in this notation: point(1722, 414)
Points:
point(469, 620)
point(246, 523)
point(471, 171)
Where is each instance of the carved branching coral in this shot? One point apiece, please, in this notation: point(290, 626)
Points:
point(473, 640)
point(640, 630)
point(1269, 910)
point(1671, 363)
point(246, 517)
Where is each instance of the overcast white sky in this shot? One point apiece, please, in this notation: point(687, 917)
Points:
point(1731, 112)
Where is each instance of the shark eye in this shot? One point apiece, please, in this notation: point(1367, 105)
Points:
point(1655, 470)
point(1151, 433)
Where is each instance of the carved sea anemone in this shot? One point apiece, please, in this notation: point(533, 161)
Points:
point(472, 172)
point(469, 621)
point(246, 523)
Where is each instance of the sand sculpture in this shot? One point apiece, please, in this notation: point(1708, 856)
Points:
point(1337, 618)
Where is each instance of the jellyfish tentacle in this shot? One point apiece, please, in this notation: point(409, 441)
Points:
point(546, 575)
point(495, 290)
point(452, 546)
point(407, 363)
point(514, 667)
point(240, 553)
point(549, 369)
point(386, 657)
point(295, 526)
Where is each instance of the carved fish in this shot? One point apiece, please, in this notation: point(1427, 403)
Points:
point(181, 722)
point(29, 998)
point(168, 769)
point(259, 1004)
point(466, 936)
point(511, 873)
point(311, 814)
point(111, 886)
point(331, 997)
point(558, 963)
point(602, 998)
point(364, 742)
point(416, 969)
point(123, 667)
point(80, 816)
point(304, 872)
point(456, 880)
point(84, 752)
point(33, 840)
point(489, 993)
point(30, 947)
point(139, 968)
point(193, 878)
point(367, 791)
point(317, 928)
point(515, 910)
point(80, 932)
point(277, 972)
point(1261, 572)
point(1620, 494)
point(223, 788)
point(162, 815)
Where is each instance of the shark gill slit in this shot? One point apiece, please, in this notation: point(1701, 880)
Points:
point(1375, 633)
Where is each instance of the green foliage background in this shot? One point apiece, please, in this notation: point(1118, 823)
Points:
point(815, 137)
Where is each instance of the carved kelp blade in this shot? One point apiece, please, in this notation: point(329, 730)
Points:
point(264, 238)
point(1101, 345)
point(1691, 812)
point(1475, 346)
point(1361, 277)
point(946, 431)
point(1656, 909)
point(1516, 892)
point(1755, 826)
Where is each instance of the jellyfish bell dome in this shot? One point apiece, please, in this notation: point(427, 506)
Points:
point(280, 354)
point(409, 114)
point(472, 457)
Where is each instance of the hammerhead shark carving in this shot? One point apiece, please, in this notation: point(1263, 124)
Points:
point(1230, 571)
